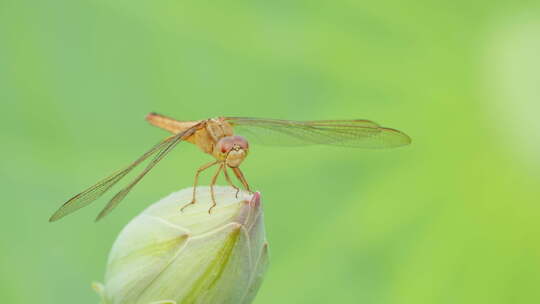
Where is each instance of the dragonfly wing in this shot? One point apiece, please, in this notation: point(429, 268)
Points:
point(348, 133)
point(162, 153)
point(94, 192)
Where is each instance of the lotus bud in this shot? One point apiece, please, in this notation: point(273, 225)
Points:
point(167, 256)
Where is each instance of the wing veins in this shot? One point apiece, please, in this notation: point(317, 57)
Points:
point(162, 153)
point(351, 133)
point(89, 195)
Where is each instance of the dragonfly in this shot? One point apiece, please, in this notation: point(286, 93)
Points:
point(219, 137)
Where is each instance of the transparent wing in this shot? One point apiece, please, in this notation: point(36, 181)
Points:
point(91, 194)
point(348, 133)
point(162, 153)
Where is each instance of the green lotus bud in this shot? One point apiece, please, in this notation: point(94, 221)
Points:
point(167, 256)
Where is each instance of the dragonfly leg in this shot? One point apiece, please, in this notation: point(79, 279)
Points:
point(201, 169)
point(228, 178)
point(241, 177)
point(212, 183)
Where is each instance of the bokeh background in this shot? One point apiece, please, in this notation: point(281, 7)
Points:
point(453, 218)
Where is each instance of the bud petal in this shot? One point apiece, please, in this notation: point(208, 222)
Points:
point(167, 256)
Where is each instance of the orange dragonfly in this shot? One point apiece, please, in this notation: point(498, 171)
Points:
point(216, 136)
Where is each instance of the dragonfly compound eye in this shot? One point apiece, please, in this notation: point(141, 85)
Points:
point(240, 141)
point(225, 144)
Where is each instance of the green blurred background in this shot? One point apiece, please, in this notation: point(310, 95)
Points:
point(453, 218)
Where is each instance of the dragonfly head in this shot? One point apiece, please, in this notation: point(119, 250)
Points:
point(233, 150)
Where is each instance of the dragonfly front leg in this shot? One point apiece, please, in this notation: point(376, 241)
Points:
point(241, 177)
point(212, 183)
point(228, 178)
point(201, 169)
